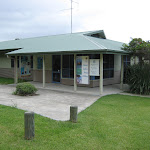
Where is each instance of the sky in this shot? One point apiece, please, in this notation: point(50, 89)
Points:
point(121, 20)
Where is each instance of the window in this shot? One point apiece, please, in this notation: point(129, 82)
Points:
point(31, 61)
point(108, 66)
point(68, 66)
point(40, 63)
point(13, 61)
point(126, 60)
point(126, 63)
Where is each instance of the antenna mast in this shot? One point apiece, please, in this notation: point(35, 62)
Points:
point(71, 16)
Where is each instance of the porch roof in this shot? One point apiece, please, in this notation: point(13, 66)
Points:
point(83, 42)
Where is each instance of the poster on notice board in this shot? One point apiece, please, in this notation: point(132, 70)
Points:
point(94, 67)
point(25, 65)
point(82, 63)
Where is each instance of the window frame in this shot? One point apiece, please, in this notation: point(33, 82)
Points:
point(69, 67)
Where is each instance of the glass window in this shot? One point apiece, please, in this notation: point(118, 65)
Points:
point(68, 66)
point(108, 65)
point(31, 61)
point(13, 62)
point(126, 60)
point(40, 62)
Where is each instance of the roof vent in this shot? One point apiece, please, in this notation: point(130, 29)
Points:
point(17, 39)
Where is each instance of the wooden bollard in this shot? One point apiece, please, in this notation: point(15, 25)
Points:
point(73, 113)
point(29, 125)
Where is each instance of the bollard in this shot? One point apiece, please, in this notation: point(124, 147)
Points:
point(73, 113)
point(29, 125)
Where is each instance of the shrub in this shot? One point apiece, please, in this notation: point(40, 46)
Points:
point(138, 78)
point(25, 89)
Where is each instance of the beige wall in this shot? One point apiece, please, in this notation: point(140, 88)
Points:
point(38, 73)
point(95, 83)
point(117, 62)
point(7, 71)
point(48, 62)
point(4, 61)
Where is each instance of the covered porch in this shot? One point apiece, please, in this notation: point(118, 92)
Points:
point(99, 90)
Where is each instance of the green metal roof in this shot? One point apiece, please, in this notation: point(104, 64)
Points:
point(64, 43)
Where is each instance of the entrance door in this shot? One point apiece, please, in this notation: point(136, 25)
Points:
point(56, 68)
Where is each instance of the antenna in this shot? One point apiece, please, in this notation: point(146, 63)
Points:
point(71, 2)
point(71, 16)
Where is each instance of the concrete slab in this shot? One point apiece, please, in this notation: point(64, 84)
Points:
point(52, 104)
point(54, 101)
point(110, 89)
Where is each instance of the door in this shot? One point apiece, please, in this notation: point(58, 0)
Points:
point(56, 68)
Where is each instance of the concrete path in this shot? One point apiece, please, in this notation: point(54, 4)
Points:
point(52, 104)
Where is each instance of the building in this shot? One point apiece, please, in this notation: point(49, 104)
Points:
point(71, 59)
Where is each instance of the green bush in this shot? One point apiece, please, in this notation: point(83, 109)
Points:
point(138, 78)
point(24, 89)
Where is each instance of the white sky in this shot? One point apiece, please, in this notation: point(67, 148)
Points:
point(120, 19)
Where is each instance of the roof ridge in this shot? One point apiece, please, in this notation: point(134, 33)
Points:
point(97, 44)
point(44, 36)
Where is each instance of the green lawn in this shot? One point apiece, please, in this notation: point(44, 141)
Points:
point(9, 80)
point(114, 122)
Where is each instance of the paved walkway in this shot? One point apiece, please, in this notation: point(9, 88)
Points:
point(110, 89)
point(52, 103)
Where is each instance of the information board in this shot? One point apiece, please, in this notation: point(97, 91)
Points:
point(82, 63)
point(25, 65)
point(94, 67)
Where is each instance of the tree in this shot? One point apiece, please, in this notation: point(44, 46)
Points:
point(138, 47)
point(137, 75)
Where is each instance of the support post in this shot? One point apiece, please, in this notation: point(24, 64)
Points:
point(15, 70)
point(122, 72)
point(101, 75)
point(43, 71)
point(29, 125)
point(73, 113)
point(61, 65)
point(75, 78)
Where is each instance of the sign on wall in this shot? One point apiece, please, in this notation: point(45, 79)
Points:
point(25, 65)
point(82, 63)
point(94, 67)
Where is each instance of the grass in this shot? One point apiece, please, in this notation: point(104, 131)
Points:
point(114, 122)
point(9, 80)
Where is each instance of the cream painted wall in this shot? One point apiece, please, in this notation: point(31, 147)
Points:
point(48, 62)
point(34, 62)
point(4, 61)
point(117, 62)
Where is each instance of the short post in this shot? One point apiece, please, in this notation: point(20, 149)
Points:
point(29, 125)
point(73, 113)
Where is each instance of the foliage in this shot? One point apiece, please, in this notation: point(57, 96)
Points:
point(114, 122)
point(10, 80)
point(138, 47)
point(138, 78)
point(25, 89)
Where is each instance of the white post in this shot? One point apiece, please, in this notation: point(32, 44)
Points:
point(75, 78)
point(43, 71)
point(101, 75)
point(122, 71)
point(15, 70)
point(61, 65)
